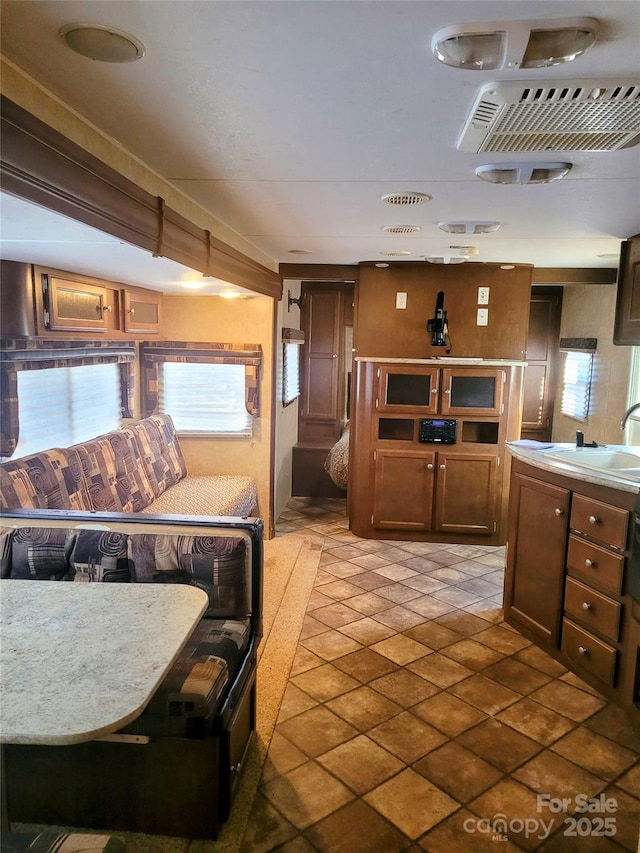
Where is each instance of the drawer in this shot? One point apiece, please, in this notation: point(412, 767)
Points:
point(589, 653)
point(593, 609)
point(595, 566)
point(600, 521)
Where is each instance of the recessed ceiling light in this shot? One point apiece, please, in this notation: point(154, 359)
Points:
point(465, 251)
point(444, 259)
point(194, 284)
point(300, 252)
point(469, 227)
point(382, 266)
point(516, 44)
point(405, 198)
point(609, 255)
point(507, 266)
point(523, 173)
point(401, 229)
point(101, 43)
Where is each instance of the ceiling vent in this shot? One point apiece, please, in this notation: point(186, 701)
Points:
point(563, 115)
point(405, 198)
point(400, 254)
point(401, 229)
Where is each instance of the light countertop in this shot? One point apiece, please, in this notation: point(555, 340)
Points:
point(437, 361)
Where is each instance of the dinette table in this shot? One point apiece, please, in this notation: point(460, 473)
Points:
point(78, 661)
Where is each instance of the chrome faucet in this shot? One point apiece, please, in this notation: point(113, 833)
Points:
point(627, 414)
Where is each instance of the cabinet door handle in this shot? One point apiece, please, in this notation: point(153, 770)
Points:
point(429, 465)
point(593, 519)
point(583, 650)
point(442, 467)
point(107, 308)
point(132, 311)
point(434, 390)
point(586, 605)
point(447, 391)
point(558, 511)
point(589, 563)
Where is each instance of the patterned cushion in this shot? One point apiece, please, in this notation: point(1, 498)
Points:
point(52, 841)
point(114, 478)
point(215, 564)
point(160, 450)
point(41, 553)
point(51, 479)
point(208, 495)
point(6, 534)
point(100, 556)
point(184, 704)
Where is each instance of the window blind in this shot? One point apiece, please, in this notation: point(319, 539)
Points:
point(205, 398)
point(290, 371)
point(61, 406)
point(576, 385)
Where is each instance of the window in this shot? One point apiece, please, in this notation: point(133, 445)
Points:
point(205, 398)
point(292, 340)
point(61, 406)
point(576, 384)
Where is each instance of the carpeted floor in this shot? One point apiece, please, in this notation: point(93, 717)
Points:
point(290, 567)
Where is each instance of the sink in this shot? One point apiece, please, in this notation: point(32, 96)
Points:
point(618, 462)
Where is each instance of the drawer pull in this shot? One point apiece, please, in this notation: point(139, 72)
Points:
point(583, 650)
point(586, 605)
point(589, 563)
point(558, 511)
point(593, 519)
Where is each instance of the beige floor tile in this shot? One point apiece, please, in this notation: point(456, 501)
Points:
point(568, 700)
point(367, 631)
point(407, 737)
point(317, 730)
point(339, 590)
point(399, 618)
point(356, 827)
point(361, 764)
point(499, 744)
point(612, 722)
point(433, 635)
point(484, 694)
point(304, 660)
point(595, 753)
point(365, 665)
point(311, 627)
point(448, 714)
point(630, 781)
point(306, 794)
point(536, 721)
point(462, 833)
point(344, 568)
point(627, 817)
point(394, 571)
point(294, 702)
point(336, 614)
point(318, 599)
point(551, 774)
point(429, 805)
point(404, 687)
point(324, 682)
point(539, 659)
point(440, 670)
point(502, 640)
point(472, 654)
point(517, 675)
point(369, 603)
point(429, 607)
point(456, 596)
point(283, 756)
point(370, 580)
point(466, 624)
point(457, 771)
point(267, 828)
point(425, 584)
point(364, 708)
point(517, 805)
point(331, 645)
point(401, 649)
point(399, 593)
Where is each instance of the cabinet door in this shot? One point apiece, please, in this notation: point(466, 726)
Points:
point(142, 312)
point(472, 391)
point(407, 389)
point(403, 490)
point(320, 417)
point(466, 492)
point(74, 306)
point(626, 329)
point(542, 357)
point(534, 582)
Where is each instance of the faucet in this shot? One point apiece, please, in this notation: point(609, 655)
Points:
point(627, 414)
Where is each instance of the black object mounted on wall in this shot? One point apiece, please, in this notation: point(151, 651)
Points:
point(438, 325)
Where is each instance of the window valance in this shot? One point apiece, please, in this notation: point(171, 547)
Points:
point(17, 354)
point(155, 353)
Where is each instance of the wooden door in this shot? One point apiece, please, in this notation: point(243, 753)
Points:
point(466, 492)
point(320, 418)
point(627, 322)
point(540, 375)
point(403, 489)
point(534, 581)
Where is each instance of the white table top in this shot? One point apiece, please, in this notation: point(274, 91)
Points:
point(81, 660)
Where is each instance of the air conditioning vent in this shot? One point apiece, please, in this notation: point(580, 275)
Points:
point(565, 115)
point(401, 229)
point(405, 198)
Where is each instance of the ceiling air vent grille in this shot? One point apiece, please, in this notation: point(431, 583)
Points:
point(405, 198)
point(401, 229)
point(566, 115)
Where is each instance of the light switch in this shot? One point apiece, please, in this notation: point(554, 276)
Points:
point(401, 300)
point(483, 317)
point(483, 296)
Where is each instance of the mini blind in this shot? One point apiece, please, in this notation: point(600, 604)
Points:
point(205, 398)
point(576, 384)
point(290, 371)
point(65, 405)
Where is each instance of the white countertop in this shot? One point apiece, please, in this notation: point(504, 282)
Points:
point(81, 660)
point(447, 360)
point(540, 458)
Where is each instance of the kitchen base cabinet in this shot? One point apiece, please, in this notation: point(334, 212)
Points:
point(403, 490)
point(466, 493)
point(565, 586)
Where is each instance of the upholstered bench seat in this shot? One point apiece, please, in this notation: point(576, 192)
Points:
point(219, 495)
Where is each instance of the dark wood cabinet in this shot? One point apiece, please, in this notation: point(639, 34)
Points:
point(626, 330)
point(466, 492)
point(540, 376)
point(403, 489)
point(534, 579)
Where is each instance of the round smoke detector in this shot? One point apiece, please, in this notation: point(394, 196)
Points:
point(401, 229)
point(405, 198)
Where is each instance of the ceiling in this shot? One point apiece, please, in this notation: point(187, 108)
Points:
point(289, 120)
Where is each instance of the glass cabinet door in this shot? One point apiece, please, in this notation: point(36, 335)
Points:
point(479, 391)
point(74, 306)
point(407, 388)
point(142, 312)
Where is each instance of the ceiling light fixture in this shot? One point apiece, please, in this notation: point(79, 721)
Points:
point(101, 43)
point(523, 173)
point(516, 44)
point(300, 252)
point(444, 259)
point(405, 198)
point(469, 227)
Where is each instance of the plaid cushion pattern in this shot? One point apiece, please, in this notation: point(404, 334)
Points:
point(100, 556)
point(42, 553)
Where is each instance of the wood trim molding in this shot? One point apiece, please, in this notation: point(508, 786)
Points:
point(41, 165)
point(574, 275)
point(319, 272)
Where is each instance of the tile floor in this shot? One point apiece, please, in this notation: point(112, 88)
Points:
point(415, 719)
